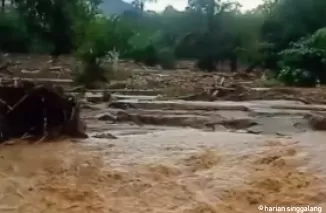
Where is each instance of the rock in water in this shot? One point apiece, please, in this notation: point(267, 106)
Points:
point(317, 121)
point(105, 135)
point(107, 117)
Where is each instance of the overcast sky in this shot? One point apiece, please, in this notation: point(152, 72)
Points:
point(181, 4)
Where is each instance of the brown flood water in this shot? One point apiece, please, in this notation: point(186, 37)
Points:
point(184, 171)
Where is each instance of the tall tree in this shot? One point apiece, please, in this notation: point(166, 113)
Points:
point(288, 20)
point(53, 20)
point(214, 42)
point(3, 5)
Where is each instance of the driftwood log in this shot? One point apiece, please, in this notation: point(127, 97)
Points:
point(33, 111)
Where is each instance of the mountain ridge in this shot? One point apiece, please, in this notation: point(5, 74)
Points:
point(112, 7)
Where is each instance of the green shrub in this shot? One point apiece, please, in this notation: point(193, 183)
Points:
point(305, 60)
point(91, 74)
point(297, 77)
point(145, 47)
point(270, 79)
point(206, 63)
point(166, 58)
point(147, 55)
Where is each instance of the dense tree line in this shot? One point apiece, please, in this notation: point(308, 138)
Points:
point(287, 37)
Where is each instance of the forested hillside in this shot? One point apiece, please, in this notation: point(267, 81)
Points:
point(286, 37)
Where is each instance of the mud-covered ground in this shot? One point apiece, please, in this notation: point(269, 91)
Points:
point(149, 152)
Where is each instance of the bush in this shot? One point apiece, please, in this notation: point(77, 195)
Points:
point(166, 58)
point(206, 63)
point(305, 60)
point(147, 47)
point(297, 77)
point(270, 79)
point(147, 55)
point(91, 74)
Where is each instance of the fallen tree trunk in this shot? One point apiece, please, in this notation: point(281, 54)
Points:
point(38, 111)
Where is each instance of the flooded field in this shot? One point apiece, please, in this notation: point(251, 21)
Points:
point(175, 168)
point(150, 153)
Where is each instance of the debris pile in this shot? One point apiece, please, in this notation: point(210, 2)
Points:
point(29, 111)
point(304, 95)
point(240, 86)
point(183, 84)
point(186, 80)
point(40, 66)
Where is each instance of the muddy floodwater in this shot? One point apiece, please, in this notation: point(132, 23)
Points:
point(174, 168)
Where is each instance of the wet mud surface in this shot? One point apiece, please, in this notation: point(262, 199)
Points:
point(281, 118)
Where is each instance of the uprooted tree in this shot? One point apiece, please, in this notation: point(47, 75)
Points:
point(33, 111)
